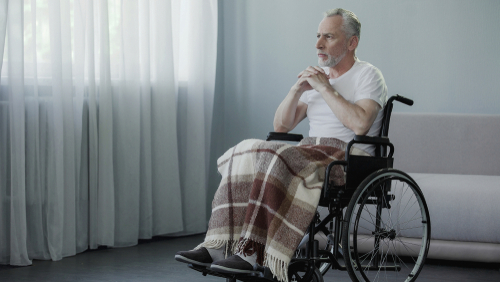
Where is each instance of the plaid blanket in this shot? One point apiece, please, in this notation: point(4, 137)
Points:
point(268, 196)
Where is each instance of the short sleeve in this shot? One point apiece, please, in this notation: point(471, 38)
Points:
point(371, 85)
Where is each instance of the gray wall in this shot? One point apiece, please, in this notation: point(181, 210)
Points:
point(444, 54)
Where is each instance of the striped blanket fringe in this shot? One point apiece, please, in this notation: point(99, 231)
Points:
point(279, 268)
point(267, 197)
point(248, 247)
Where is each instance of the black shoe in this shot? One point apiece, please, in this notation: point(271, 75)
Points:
point(233, 264)
point(198, 257)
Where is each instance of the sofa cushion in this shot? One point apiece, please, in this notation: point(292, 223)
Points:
point(446, 143)
point(462, 207)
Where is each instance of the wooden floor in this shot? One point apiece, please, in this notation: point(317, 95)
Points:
point(154, 261)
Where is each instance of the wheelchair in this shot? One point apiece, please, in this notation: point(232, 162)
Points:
point(377, 227)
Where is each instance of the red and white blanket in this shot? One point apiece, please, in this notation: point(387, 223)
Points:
point(268, 196)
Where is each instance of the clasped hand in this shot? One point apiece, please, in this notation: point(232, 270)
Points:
point(312, 78)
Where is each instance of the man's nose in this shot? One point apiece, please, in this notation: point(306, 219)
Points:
point(319, 44)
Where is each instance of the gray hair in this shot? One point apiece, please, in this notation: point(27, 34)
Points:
point(350, 25)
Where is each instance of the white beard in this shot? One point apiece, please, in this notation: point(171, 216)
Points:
point(331, 61)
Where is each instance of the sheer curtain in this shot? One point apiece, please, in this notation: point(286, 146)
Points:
point(105, 116)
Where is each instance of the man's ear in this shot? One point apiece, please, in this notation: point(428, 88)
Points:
point(353, 43)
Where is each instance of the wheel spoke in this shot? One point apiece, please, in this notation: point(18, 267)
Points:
point(408, 250)
point(367, 254)
point(411, 228)
point(406, 210)
point(394, 256)
point(366, 221)
point(412, 219)
point(408, 243)
point(384, 260)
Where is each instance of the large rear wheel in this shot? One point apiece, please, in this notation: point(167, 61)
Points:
point(387, 230)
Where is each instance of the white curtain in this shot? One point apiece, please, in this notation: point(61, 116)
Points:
point(105, 123)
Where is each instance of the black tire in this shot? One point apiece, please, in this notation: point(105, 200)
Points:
point(396, 250)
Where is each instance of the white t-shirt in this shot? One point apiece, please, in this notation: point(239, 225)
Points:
point(362, 81)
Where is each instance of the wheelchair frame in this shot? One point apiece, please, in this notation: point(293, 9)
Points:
point(366, 185)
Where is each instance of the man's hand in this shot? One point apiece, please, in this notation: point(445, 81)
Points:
point(302, 84)
point(314, 78)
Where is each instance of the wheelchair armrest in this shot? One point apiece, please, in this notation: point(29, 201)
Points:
point(281, 136)
point(327, 176)
point(372, 140)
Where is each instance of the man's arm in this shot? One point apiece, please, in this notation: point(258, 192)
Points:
point(358, 117)
point(286, 118)
point(291, 111)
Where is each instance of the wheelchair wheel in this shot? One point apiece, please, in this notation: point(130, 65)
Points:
point(325, 266)
point(297, 273)
point(325, 248)
point(387, 230)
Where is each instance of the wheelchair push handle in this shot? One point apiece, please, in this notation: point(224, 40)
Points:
point(404, 100)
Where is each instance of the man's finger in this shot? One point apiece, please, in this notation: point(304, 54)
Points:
point(302, 82)
point(305, 72)
point(308, 73)
point(320, 69)
point(312, 69)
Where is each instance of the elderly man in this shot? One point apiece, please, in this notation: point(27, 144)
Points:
point(262, 219)
point(346, 95)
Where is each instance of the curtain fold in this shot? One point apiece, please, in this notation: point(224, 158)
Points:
point(16, 207)
point(105, 116)
point(196, 81)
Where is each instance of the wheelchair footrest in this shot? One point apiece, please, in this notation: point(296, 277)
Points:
point(206, 271)
point(264, 274)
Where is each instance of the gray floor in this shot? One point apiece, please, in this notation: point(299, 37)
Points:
point(154, 261)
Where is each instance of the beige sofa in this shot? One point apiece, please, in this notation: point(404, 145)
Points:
point(455, 159)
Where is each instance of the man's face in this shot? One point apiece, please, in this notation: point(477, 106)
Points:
point(332, 42)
